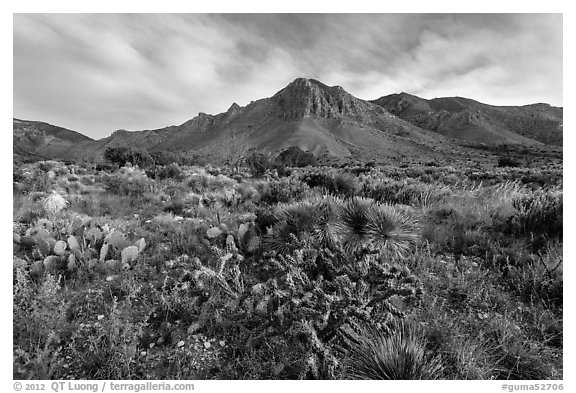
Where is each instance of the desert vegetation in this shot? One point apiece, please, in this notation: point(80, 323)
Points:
point(274, 270)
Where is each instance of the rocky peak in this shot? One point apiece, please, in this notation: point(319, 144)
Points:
point(234, 108)
point(311, 98)
point(202, 121)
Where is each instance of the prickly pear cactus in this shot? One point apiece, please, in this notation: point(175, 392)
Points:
point(129, 254)
point(73, 243)
point(141, 245)
point(104, 252)
point(60, 248)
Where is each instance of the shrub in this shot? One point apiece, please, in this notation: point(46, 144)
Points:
point(259, 163)
point(123, 155)
point(54, 203)
point(412, 192)
point(539, 213)
point(363, 225)
point(508, 161)
point(295, 157)
point(398, 352)
point(170, 171)
point(352, 224)
point(392, 228)
point(281, 191)
point(311, 297)
point(127, 182)
point(310, 220)
point(31, 180)
point(339, 184)
point(39, 320)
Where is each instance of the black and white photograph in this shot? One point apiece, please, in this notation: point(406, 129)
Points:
point(287, 196)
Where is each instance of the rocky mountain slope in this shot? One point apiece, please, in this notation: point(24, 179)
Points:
point(33, 140)
point(325, 120)
point(472, 121)
point(333, 124)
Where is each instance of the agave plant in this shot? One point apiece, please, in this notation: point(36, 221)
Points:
point(397, 353)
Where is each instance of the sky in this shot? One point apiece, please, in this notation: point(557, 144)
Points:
point(97, 73)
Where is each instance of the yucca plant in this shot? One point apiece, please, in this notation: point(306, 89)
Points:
point(397, 353)
point(310, 219)
point(392, 228)
point(53, 203)
point(365, 225)
point(353, 223)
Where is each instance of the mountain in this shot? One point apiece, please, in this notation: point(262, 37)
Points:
point(472, 121)
point(33, 140)
point(327, 120)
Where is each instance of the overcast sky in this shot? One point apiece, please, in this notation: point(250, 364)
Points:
point(99, 73)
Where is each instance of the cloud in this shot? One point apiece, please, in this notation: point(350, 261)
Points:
point(96, 73)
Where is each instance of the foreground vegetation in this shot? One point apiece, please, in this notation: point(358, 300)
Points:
point(187, 272)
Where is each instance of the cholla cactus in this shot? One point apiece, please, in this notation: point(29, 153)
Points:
point(54, 203)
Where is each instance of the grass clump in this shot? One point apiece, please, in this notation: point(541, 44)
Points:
point(398, 352)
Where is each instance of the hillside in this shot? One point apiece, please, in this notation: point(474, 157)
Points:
point(327, 120)
point(35, 140)
point(472, 121)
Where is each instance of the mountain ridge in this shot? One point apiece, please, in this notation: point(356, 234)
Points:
point(331, 123)
point(470, 120)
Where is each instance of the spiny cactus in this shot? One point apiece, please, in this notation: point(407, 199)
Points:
point(117, 239)
point(60, 248)
point(248, 241)
point(129, 254)
point(73, 243)
point(104, 252)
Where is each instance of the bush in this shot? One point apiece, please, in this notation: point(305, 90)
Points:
point(363, 225)
point(170, 171)
point(539, 214)
point(123, 155)
point(128, 183)
point(295, 157)
point(31, 181)
point(281, 191)
point(309, 220)
point(339, 184)
point(508, 162)
point(259, 163)
point(397, 353)
point(163, 158)
point(405, 192)
point(296, 319)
